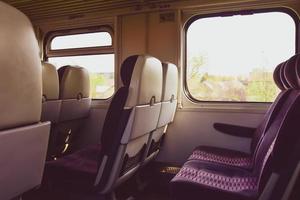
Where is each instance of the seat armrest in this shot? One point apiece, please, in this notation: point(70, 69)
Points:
point(234, 130)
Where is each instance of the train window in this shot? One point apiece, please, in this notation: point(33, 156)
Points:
point(232, 58)
point(93, 51)
point(101, 78)
point(81, 41)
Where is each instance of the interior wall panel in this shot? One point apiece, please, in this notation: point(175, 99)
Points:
point(191, 129)
point(163, 37)
point(92, 130)
point(133, 35)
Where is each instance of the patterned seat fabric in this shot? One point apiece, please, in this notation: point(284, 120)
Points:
point(235, 180)
point(196, 178)
point(239, 159)
point(222, 156)
point(78, 169)
point(222, 182)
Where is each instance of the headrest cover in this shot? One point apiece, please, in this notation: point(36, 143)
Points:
point(297, 66)
point(127, 69)
point(283, 78)
point(290, 72)
point(74, 82)
point(170, 81)
point(277, 76)
point(145, 86)
point(20, 70)
point(50, 82)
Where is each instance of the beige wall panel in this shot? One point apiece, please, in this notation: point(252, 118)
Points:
point(133, 37)
point(162, 38)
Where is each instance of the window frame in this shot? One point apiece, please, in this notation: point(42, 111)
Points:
point(83, 51)
point(48, 52)
point(285, 10)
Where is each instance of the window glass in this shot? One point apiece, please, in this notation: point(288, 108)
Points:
point(232, 58)
point(100, 67)
point(99, 62)
point(81, 40)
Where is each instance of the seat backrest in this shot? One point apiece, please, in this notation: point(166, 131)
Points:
point(285, 157)
point(74, 92)
point(51, 103)
point(283, 126)
point(169, 95)
point(132, 115)
point(167, 111)
point(23, 140)
point(275, 107)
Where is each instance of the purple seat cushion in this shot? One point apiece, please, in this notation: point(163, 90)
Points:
point(75, 170)
point(222, 156)
point(197, 180)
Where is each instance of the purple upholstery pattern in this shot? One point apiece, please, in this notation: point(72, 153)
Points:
point(77, 168)
point(84, 160)
point(237, 181)
point(243, 161)
point(222, 182)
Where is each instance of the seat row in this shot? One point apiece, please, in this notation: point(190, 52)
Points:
point(135, 123)
point(136, 120)
point(23, 138)
point(216, 173)
point(65, 103)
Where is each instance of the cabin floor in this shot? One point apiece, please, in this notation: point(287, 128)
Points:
point(154, 194)
point(149, 184)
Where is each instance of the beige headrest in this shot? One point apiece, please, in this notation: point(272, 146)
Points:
point(170, 85)
point(74, 82)
point(146, 81)
point(20, 70)
point(50, 82)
